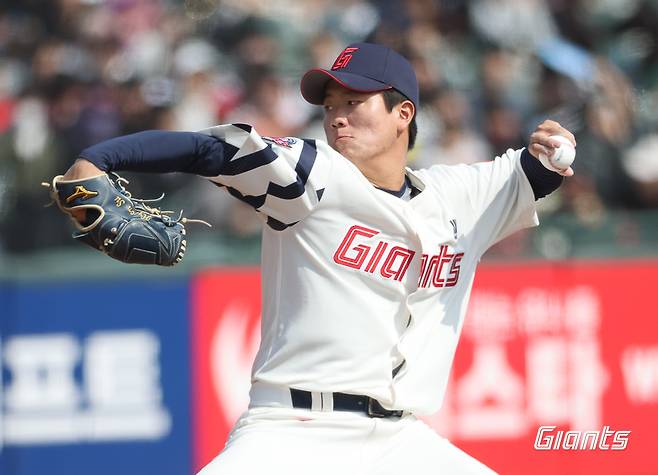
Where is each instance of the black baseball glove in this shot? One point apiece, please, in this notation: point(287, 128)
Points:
point(109, 219)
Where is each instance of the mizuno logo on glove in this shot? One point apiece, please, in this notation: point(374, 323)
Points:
point(82, 193)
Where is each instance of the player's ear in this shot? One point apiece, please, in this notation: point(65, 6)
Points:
point(406, 112)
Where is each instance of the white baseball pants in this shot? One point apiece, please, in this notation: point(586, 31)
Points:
point(284, 441)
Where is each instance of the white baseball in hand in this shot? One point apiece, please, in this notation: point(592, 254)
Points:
point(562, 157)
point(201, 9)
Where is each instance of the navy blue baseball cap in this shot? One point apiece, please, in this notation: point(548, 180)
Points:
point(363, 67)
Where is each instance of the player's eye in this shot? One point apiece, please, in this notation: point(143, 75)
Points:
point(327, 108)
point(353, 102)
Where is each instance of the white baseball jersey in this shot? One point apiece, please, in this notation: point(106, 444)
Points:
point(358, 282)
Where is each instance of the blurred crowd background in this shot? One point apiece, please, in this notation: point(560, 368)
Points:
point(75, 72)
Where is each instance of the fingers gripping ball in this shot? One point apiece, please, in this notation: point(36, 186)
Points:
point(109, 219)
point(562, 157)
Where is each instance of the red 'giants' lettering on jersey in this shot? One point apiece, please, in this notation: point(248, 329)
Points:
point(392, 261)
point(395, 261)
point(440, 270)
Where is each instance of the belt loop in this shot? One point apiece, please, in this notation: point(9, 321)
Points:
point(327, 402)
point(316, 401)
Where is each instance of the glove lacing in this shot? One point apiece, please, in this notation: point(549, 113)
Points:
point(141, 205)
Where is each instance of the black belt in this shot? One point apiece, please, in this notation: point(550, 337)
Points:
point(345, 402)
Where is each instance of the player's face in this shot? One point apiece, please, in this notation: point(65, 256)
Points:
point(358, 125)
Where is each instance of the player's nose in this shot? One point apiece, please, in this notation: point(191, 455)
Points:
point(338, 121)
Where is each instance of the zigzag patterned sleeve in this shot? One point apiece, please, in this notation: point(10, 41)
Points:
point(283, 178)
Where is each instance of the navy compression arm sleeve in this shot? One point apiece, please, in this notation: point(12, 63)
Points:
point(161, 152)
point(542, 180)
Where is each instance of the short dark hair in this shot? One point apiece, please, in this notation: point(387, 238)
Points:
point(393, 97)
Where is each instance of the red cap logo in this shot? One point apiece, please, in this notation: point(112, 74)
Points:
point(343, 58)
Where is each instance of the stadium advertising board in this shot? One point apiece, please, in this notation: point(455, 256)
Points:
point(557, 362)
point(92, 385)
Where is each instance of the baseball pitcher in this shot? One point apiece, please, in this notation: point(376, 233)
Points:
point(367, 265)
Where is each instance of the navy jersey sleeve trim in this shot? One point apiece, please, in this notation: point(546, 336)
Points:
point(302, 169)
point(162, 152)
point(542, 180)
point(249, 162)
